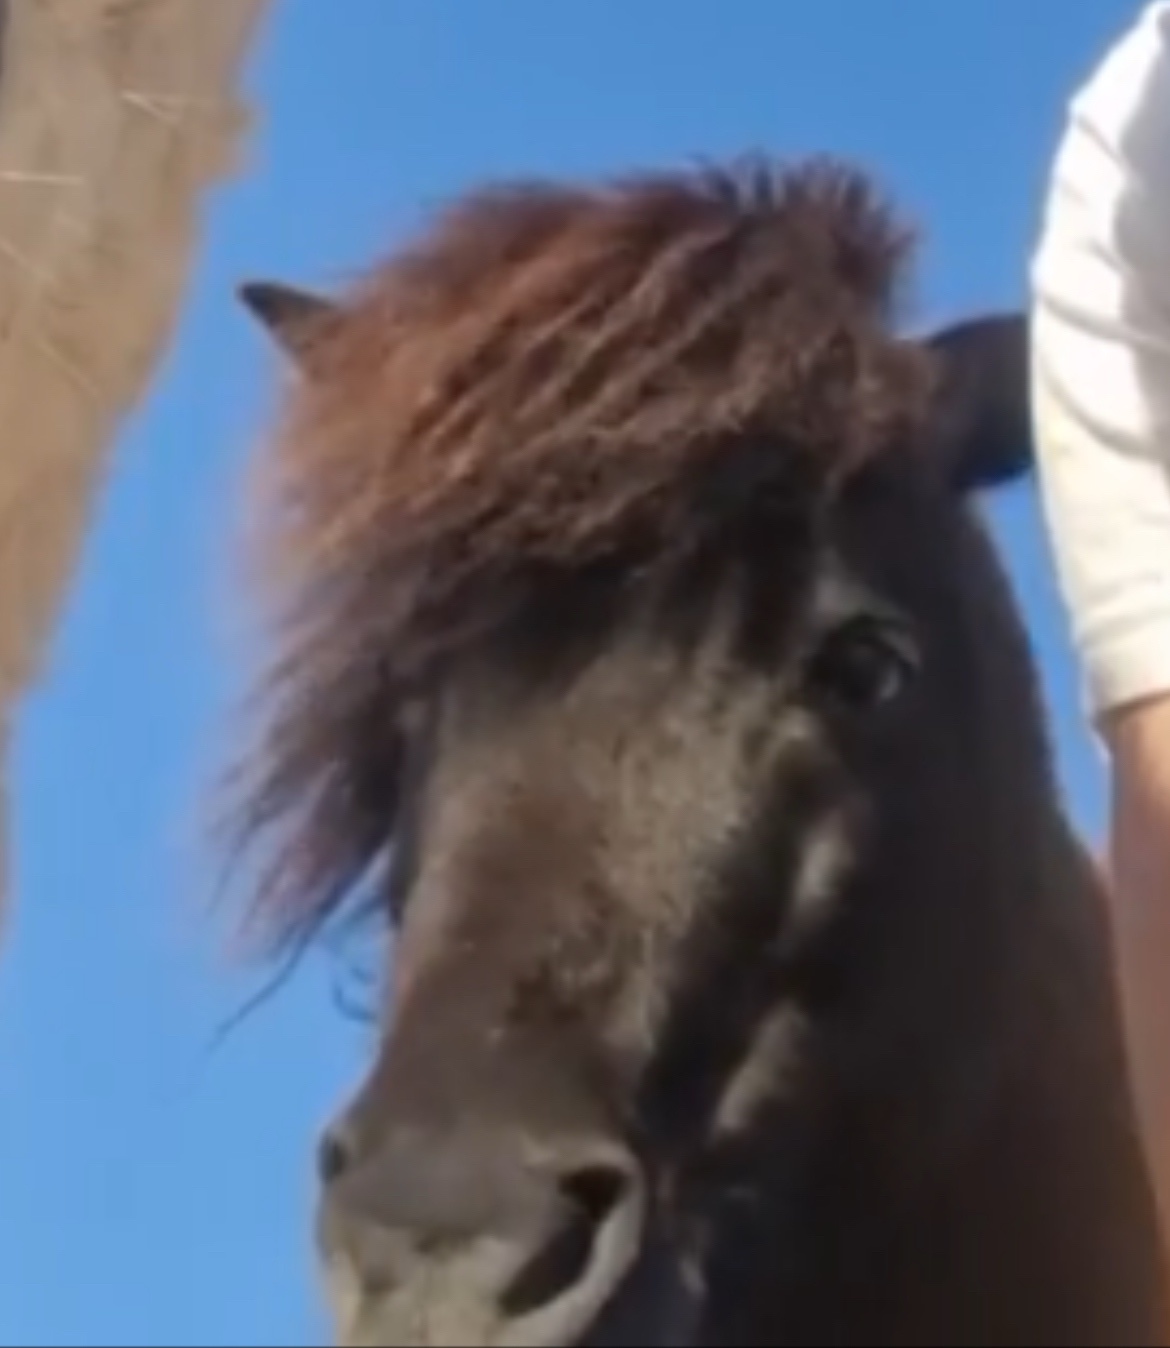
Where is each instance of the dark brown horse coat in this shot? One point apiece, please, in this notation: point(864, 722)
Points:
point(640, 653)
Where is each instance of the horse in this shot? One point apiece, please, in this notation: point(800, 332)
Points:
point(641, 663)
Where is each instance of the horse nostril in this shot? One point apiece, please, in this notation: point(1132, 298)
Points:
point(335, 1153)
point(596, 1190)
point(590, 1196)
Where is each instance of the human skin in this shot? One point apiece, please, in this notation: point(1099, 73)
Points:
point(1138, 741)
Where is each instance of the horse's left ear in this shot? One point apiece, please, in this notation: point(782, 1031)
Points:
point(981, 421)
point(291, 317)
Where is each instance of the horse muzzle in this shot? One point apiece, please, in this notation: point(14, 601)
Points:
point(481, 1241)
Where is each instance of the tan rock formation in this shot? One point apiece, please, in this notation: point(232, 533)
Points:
point(115, 117)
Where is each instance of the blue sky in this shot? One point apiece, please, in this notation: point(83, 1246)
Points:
point(152, 1190)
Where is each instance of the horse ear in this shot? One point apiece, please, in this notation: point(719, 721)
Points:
point(982, 418)
point(291, 317)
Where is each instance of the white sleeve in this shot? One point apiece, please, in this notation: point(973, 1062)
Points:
point(1101, 366)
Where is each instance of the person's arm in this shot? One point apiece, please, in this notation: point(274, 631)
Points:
point(1138, 737)
point(1101, 387)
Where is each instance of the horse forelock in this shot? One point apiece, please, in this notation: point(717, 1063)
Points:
point(542, 378)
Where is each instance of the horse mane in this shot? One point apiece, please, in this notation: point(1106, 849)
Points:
point(549, 374)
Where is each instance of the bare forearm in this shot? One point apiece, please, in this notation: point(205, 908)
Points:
point(1139, 742)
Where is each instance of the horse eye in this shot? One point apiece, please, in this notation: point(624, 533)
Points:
point(864, 665)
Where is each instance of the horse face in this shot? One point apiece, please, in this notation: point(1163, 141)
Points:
point(692, 862)
point(675, 874)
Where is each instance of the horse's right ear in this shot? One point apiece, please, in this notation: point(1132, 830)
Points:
point(291, 317)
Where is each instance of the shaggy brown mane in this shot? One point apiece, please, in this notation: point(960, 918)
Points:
point(536, 382)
